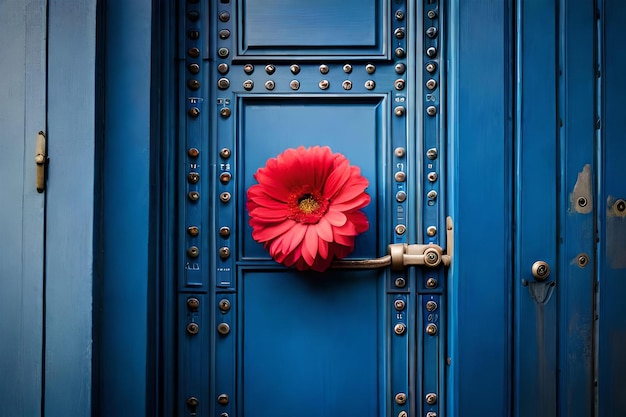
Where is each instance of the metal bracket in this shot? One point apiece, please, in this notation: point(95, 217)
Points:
point(402, 255)
point(40, 160)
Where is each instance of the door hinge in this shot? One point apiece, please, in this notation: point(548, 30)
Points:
point(402, 255)
point(40, 161)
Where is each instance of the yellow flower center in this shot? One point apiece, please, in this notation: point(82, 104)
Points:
point(307, 204)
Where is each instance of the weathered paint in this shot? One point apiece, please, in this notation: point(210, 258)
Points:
point(581, 197)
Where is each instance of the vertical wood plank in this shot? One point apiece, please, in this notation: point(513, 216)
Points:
point(22, 115)
point(69, 217)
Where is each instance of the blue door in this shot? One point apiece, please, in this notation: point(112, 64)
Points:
point(309, 141)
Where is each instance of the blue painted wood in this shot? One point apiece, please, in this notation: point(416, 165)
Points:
point(576, 224)
point(612, 221)
point(123, 350)
point(22, 115)
point(479, 191)
point(69, 215)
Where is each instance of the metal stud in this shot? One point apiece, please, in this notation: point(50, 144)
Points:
point(431, 305)
point(400, 282)
point(225, 153)
point(432, 176)
point(193, 328)
point(193, 177)
point(400, 229)
point(193, 252)
point(399, 15)
point(399, 111)
point(399, 305)
point(431, 84)
point(225, 112)
point(431, 329)
point(248, 69)
point(399, 84)
point(432, 14)
point(347, 85)
point(193, 112)
point(225, 232)
point(270, 84)
point(270, 69)
point(400, 68)
point(193, 231)
point(193, 304)
point(432, 194)
point(223, 399)
point(431, 398)
point(294, 84)
point(431, 231)
point(399, 152)
point(223, 52)
point(224, 34)
point(431, 153)
point(324, 84)
point(224, 16)
point(431, 32)
point(431, 52)
point(193, 152)
point(347, 68)
point(193, 16)
point(401, 196)
point(324, 69)
point(370, 84)
point(399, 329)
point(431, 283)
point(399, 33)
point(370, 68)
point(400, 52)
point(225, 197)
point(224, 252)
point(295, 69)
point(224, 305)
point(194, 68)
point(223, 328)
point(223, 83)
point(248, 85)
point(400, 398)
point(431, 67)
point(225, 177)
point(193, 52)
point(400, 176)
point(222, 68)
point(193, 195)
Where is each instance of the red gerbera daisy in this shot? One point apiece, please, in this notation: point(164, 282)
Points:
point(305, 208)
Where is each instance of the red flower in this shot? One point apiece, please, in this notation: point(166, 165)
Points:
point(305, 208)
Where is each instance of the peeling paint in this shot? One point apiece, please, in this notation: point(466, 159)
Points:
point(615, 234)
point(581, 198)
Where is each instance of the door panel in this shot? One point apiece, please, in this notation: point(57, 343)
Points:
point(256, 338)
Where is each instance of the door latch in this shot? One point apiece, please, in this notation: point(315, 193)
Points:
point(40, 161)
point(402, 255)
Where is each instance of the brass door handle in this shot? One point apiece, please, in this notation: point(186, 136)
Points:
point(40, 161)
point(402, 255)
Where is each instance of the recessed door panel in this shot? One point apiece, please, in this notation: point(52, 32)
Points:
point(353, 127)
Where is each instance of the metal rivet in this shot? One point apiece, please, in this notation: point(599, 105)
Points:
point(193, 177)
point(431, 32)
point(399, 329)
point(192, 402)
point(224, 252)
point(225, 153)
point(223, 328)
point(193, 328)
point(269, 85)
point(193, 34)
point(370, 68)
point(432, 194)
point(225, 232)
point(194, 68)
point(224, 305)
point(403, 414)
point(324, 84)
point(248, 85)
point(347, 68)
point(620, 206)
point(399, 152)
point(400, 196)
point(400, 52)
point(431, 329)
point(270, 69)
point(431, 67)
point(399, 15)
point(431, 84)
point(224, 34)
point(431, 283)
point(431, 52)
point(431, 305)
point(400, 176)
point(225, 177)
point(193, 152)
point(347, 85)
point(193, 231)
point(400, 68)
point(429, 414)
point(324, 69)
point(399, 33)
point(431, 231)
point(194, 112)
point(223, 83)
point(193, 304)
point(226, 415)
point(248, 69)
point(431, 153)
point(583, 260)
point(193, 195)
point(432, 176)
point(225, 112)
point(582, 201)
point(400, 282)
point(225, 197)
point(399, 84)
point(399, 305)
point(295, 69)
point(193, 252)
point(400, 398)
point(399, 111)
point(224, 16)
point(193, 52)
point(432, 14)
point(370, 84)
point(431, 398)
point(294, 84)
point(400, 229)
point(222, 399)
point(222, 69)
point(431, 110)
point(193, 15)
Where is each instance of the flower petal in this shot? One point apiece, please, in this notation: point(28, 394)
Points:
point(325, 230)
point(335, 218)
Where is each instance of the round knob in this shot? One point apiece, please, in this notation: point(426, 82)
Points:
point(541, 270)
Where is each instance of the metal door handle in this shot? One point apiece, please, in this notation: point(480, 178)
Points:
point(40, 160)
point(401, 255)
